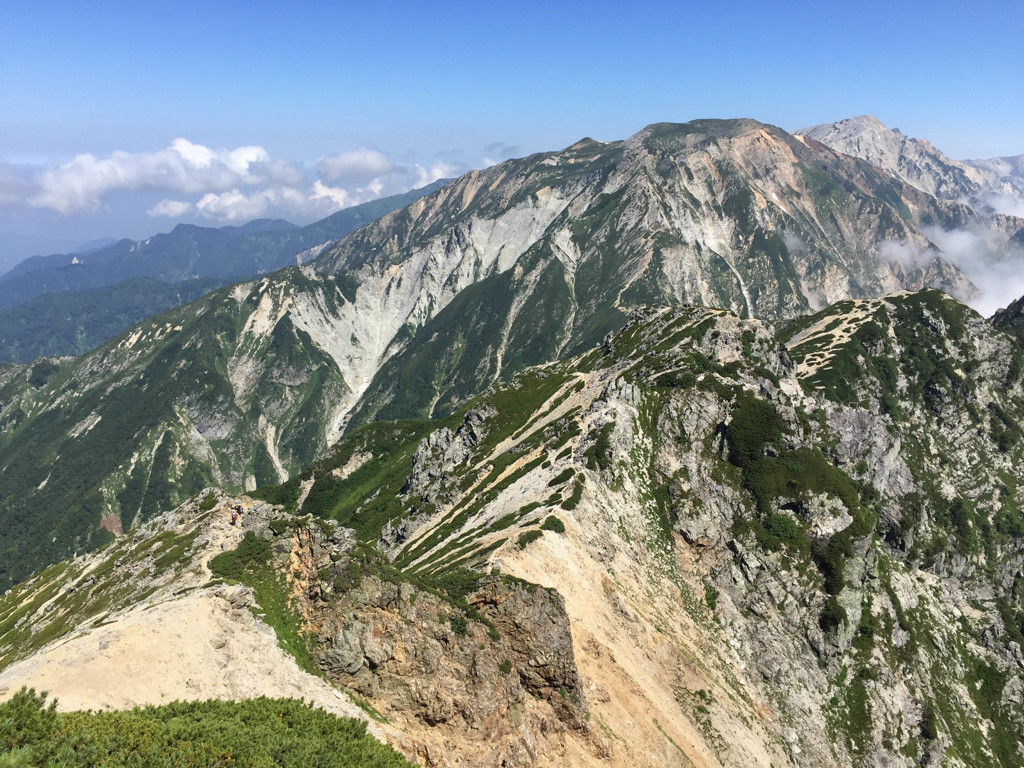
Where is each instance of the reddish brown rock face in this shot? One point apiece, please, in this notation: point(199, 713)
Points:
point(501, 675)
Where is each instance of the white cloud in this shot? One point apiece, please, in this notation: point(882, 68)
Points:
point(183, 167)
point(284, 173)
point(357, 166)
point(355, 177)
point(238, 206)
point(427, 175)
point(220, 185)
point(988, 259)
point(340, 197)
point(1012, 205)
point(233, 206)
point(905, 254)
point(794, 243)
point(399, 179)
point(171, 208)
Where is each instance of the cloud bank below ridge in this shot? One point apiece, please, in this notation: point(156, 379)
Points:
point(189, 180)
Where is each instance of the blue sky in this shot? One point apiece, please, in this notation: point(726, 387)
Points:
point(364, 99)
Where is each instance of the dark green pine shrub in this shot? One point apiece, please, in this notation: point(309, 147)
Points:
point(526, 538)
point(250, 554)
point(553, 524)
point(258, 733)
point(574, 498)
point(562, 477)
point(599, 455)
point(459, 625)
point(832, 615)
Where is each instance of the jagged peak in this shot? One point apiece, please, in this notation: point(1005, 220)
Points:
point(1011, 318)
point(860, 123)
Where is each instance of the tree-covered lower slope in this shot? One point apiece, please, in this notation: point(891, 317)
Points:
point(824, 523)
point(256, 734)
point(224, 390)
point(71, 323)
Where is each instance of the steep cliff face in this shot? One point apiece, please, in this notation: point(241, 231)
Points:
point(474, 669)
point(558, 247)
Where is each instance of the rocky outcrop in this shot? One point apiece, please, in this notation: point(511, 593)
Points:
point(436, 463)
point(492, 669)
point(823, 515)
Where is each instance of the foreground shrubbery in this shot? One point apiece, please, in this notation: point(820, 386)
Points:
point(260, 733)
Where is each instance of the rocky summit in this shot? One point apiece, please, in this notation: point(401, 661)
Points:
point(635, 454)
point(995, 185)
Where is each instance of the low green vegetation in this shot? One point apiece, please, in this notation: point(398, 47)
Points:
point(770, 471)
point(1004, 429)
point(525, 539)
point(368, 496)
point(573, 500)
point(250, 563)
point(257, 733)
point(598, 456)
point(372, 493)
point(905, 351)
point(251, 555)
point(553, 524)
point(109, 433)
point(562, 477)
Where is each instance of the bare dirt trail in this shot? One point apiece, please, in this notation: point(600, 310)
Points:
point(186, 641)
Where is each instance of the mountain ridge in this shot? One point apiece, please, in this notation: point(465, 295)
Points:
point(772, 546)
point(257, 247)
point(920, 163)
point(252, 383)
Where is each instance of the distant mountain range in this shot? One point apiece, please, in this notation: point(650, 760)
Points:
point(128, 281)
point(66, 324)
